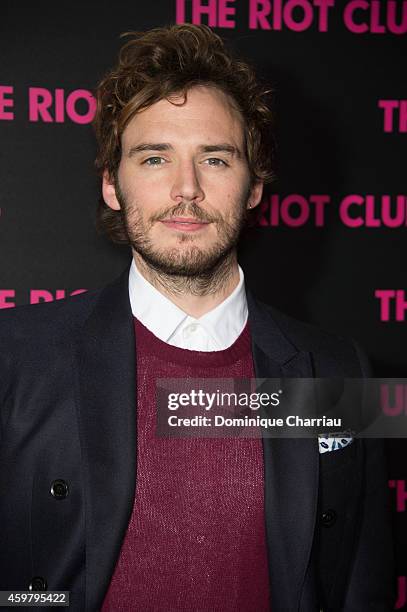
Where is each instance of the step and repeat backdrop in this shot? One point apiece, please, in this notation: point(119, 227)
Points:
point(329, 245)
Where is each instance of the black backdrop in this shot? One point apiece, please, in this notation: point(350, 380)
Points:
point(329, 245)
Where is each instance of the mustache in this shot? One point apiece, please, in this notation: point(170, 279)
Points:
point(190, 209)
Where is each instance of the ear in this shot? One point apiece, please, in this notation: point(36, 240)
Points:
point(255, 196)
point(109, 191)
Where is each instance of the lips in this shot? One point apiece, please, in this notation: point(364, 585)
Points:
point(185, 224)
point(185, 220)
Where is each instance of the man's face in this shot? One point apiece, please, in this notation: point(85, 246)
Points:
point(183, 182)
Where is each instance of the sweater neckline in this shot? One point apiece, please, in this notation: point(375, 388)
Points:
point(156, 347)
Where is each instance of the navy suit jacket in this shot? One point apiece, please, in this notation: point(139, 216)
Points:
point(67, 408)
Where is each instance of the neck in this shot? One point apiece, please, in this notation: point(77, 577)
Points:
point(195, 295)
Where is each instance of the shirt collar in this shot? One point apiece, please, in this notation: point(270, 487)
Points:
point(162, 317)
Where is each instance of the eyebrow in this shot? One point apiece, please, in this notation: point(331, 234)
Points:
point(222, 147)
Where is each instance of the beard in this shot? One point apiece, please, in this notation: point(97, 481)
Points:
point(203, 265)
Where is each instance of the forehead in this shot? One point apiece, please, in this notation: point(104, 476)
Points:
point(208, 115)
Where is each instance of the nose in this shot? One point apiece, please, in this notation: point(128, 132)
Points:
point(186, 185)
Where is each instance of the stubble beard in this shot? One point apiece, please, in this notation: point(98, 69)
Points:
point(194, 270)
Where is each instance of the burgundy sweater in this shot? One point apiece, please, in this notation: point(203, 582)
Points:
point(196, 536)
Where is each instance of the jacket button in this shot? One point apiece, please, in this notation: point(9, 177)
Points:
point(328, 518)
point(38, 583)
point(59, 489)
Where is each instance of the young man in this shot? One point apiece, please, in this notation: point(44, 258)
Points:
point(92, 501)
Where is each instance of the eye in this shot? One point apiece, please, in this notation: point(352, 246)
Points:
point(217, 162)
point(154, 161)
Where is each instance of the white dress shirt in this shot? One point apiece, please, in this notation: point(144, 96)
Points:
point(214, 331)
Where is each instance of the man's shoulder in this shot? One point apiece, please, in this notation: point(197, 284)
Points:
point(305, 335)
point(46, 328)
point(331, 351)
point(46, 319)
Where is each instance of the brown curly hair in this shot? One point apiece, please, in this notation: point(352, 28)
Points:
point(169, 60)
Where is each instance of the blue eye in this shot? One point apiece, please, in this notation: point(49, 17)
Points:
point(153, 161)
point(216, 159)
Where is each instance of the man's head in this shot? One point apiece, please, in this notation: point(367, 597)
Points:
point(184, 148)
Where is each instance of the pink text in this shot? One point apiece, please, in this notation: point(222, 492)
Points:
point(6, 102)
point(216, 13)
point(293, 210)
point(393, 304)
point(7, 296)
point(376, 17)
point(371, 211)
point(295, 15)
point(53, 107)
point(401, 494)
point(393, 399)
point(393, 110)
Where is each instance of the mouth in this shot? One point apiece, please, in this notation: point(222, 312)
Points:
point(185, 224)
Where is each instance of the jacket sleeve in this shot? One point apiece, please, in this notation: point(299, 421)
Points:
point(7, 366)
point(371, 584)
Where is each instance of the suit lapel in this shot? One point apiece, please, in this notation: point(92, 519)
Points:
point(106, 367)
point(291, 470)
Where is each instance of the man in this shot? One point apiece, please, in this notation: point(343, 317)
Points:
point(91, 500)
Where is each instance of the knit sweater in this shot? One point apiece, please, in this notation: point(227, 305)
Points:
point(196, 537)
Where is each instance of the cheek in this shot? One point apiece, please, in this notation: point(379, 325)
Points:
point(140, 193)
point(223, 193)
point(234, 198)
point(233, 188)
